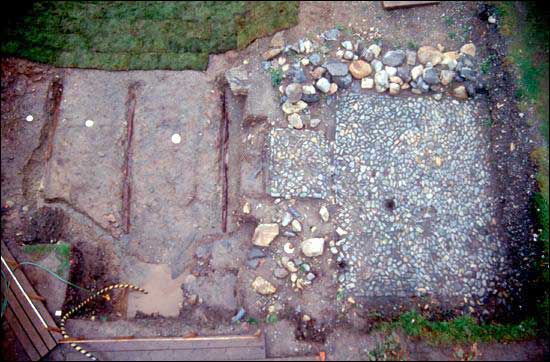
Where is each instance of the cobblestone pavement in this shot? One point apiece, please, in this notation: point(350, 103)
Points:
point(298, 164)
point(412, 180)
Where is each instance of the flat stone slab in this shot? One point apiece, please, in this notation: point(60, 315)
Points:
point(298, 164)
point(412, 178)
point(176, 188)
point(85, 169)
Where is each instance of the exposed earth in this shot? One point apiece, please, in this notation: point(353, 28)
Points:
point(307, 207)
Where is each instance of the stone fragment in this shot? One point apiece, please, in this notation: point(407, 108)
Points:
point(337, 69)
point(314, 122)
point(446, 76)
point(460, 92)
point(293, 92)
point(295, 121)
point(347, 45)
point(313, 247)
point(381, 79)
point(417, 71)
point(296, 226)
point(377, 65)
point(323, 85)
point(323, 212)
point(469, 49)
point(394, 89)
point(263, 287)
point(390, 70)
point(375, 49)
point(343, 82)
point(394, 58)
point(280, 273)
point(429, 54)
point(430, 76)
point(360, 69)
point(265, 234)
point(318, 72)
point(411, 57)
point(272, 53)
point(238, 80)
point(367, 83)
point(297, 107)
point(278, 40)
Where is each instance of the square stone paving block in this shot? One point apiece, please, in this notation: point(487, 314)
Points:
point(298, 164)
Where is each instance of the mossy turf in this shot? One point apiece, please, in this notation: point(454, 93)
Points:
point(120, 35)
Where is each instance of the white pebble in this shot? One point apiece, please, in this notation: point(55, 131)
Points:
point(89, 123)
point(176, 138)
point(29, 118)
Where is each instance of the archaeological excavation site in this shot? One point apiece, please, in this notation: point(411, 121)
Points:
point(274, 181)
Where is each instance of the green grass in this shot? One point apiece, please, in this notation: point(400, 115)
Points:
point(528, 54)
point(464, 329)
point(276, 76)
point(118, 35)
point(62, 252)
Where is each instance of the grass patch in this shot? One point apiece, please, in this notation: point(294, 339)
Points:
point(462, 330)
point(62, 252)
point(120, 35)
point(276, 75)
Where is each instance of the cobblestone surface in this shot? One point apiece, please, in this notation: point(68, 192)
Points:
point(298, 164)
point(412, 179)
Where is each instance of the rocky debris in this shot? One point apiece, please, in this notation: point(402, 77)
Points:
point(323, 85)
point(265, 234)
point(323, 212)
point(394, 58)
point(239, 316)
point(429, 54)
point(313, 247)
point(360, 69)
point(295, 121)
point(238, 80)
point(263, 287)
